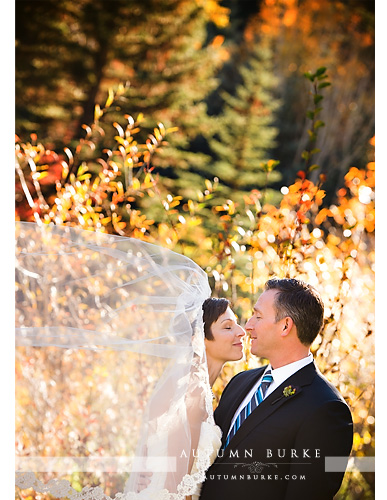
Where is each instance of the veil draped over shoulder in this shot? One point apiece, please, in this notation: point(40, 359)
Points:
point(111, 375)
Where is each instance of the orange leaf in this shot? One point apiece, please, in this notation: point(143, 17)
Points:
point(322, 215)
point(217, 41)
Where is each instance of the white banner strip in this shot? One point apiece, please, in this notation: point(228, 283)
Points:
point(352, 464)
point(66, 465)
point(155, 464)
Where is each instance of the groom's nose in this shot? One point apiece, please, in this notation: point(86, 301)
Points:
point(248, 325)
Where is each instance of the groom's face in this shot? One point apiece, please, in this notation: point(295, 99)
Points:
point(265, 332)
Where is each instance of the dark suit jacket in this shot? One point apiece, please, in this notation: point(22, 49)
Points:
point(279, 451)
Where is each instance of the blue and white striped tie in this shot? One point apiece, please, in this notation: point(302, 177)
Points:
point(257, 399)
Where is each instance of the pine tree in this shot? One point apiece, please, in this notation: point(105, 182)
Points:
point(172, 77)
point(307, 35)
point(69, 54)
point(245, 129)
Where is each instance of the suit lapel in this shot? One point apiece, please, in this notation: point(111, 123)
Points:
point(272, 403)
point(238, 395)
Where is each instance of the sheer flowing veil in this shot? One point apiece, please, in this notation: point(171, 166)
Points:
point(111, 376)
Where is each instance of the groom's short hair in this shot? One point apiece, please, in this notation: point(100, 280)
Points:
point(301, 302)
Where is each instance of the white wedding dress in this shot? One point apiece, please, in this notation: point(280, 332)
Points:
point(124, 319)
point(205, 454)
point(210, 442)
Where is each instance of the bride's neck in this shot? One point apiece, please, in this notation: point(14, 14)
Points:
point(214, 368)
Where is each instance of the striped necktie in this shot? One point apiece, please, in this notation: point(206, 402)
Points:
point(257, 399)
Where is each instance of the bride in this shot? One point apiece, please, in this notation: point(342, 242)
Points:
point(118, 347)
point(223, 342)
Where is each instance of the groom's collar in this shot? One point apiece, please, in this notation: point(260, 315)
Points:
point(284, 372)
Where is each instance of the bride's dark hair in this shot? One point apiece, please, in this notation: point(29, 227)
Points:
point(212, 309)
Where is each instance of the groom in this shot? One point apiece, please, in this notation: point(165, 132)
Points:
point(281, 423)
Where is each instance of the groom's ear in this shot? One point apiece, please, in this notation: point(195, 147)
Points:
point(286, 324)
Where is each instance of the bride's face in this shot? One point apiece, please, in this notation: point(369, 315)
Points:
point(227, 342)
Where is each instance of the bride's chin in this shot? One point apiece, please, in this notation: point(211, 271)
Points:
point(237, 357)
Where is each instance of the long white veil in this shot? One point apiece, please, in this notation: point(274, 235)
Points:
point(111, 375)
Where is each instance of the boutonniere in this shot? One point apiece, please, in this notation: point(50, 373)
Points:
point(289, 391)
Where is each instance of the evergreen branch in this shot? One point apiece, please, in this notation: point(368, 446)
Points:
point(317, 85)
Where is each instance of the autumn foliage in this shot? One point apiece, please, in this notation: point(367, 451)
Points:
point(112, 188)
point(134, 173)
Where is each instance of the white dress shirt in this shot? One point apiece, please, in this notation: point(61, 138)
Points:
point(279, 376)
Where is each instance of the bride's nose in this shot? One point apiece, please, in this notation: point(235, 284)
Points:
point(241, 332)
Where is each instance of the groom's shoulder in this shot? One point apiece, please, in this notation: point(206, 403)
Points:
point(247, 375)
point(241, 379)
point(326, 389)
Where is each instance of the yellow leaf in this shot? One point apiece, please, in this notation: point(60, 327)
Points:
point(194, 221)
point(120, 188)
point(208, 185)
point(110, 99)
point(148, 181)
point(136, 184)
point(105, 221)
point(157, 134)
point(97, 112)
point(65, 169)
point(357, 441)
point(128, 162)
point(121, 140)
point(84, 177)
point(39, 175)
point(120, 89)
